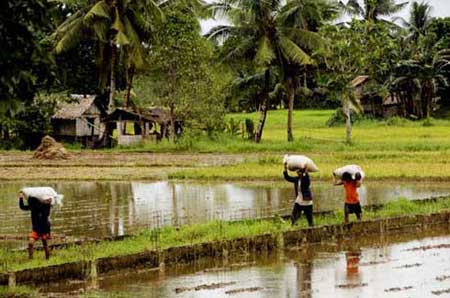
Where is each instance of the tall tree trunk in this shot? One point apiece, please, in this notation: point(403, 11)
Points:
point(112, 82)
point(291, 95)
point(263, 108)
point(172, 122)
point(130, 76)
point(348, 121)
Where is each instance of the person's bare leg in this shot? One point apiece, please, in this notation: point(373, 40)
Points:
point(47, 251)
point(345, 217)
point(30, 247)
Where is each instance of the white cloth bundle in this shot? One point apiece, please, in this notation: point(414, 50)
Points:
point(44, 194)
point(295, 162)
point(351, 169)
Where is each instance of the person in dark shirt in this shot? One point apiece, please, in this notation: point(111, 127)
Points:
point(303, 199)
point(39, 222)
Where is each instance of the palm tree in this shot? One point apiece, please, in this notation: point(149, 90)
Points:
point(373, 9)
point(264, 35)
point(306, 16)
point(116, 25)
point(419, 19)
point(420, 78)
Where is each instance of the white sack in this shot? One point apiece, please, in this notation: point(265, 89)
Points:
point(351, 169)
point(295, 162)
point(44, 194)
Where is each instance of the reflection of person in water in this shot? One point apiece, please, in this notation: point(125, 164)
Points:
point(304, 271)
point(352, 259)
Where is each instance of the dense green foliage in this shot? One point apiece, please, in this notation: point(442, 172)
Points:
point(184, 73)
point(25, 64)
point(271, 55)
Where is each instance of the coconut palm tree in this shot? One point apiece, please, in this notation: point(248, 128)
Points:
point(373, 10)
point(306, 16)
point(263, 34)
point(117, 25)
point(419, 19)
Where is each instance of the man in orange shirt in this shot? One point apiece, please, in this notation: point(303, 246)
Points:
point(352, 204)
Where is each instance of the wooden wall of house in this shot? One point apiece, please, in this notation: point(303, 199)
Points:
point(84, 129)
point(64, 128)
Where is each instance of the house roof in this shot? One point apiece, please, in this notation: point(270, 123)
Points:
point(359, 80)
point(121, 114)
point(75, 109)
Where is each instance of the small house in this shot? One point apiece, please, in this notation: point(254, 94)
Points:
point(132, 127)
point(78, 120)
point(373, 103)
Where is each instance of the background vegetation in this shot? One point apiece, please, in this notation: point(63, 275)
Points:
point(283, 55)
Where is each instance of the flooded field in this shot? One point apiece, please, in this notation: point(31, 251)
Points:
point(406, 265)
point(99, 209)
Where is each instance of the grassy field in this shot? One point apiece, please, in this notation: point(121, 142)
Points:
point(212, 231)
point(391, 149)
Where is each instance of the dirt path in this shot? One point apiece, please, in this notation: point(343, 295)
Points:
point(91, 165)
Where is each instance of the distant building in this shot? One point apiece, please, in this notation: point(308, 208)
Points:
point(79, 120)
point(372, 103)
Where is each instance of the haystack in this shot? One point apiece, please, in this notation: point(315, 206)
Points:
point(50, 149)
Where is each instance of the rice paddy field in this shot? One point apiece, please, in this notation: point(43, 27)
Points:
point(387, 149)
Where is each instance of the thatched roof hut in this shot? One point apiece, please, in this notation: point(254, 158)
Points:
point(78, 118)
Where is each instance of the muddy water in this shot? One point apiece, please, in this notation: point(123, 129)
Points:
point(407, 265)
point(97, 209)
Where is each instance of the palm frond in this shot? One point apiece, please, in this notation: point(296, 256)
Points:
point(71, 37)
point(264, 53)
point(99, 10)
point(305, 38)
point(220, 32)
point(293, 52)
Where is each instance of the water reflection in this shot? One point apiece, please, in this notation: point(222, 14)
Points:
point(94, 209)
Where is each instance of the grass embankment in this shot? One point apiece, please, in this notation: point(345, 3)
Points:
point(207, 232)
point(18, 292)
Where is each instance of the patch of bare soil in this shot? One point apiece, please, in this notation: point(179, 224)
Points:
point(237, 291)
point(398, 289)
point(442, 277)
point(205, 287)
point(351, 286)
point(408, 266)
point(441, 292)
point(428, 247)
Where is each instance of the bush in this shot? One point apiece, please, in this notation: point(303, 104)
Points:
point(427, 123)
point(397, 121)
point(338, 118)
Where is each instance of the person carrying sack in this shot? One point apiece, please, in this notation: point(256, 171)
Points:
point(40, 212)
point(303, 199)
point(352, 204)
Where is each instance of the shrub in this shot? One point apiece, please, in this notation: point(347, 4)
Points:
point(338, 118)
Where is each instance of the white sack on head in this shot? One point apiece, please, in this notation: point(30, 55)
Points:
point(295, 162)
point(351, 169)
point(44, 194)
